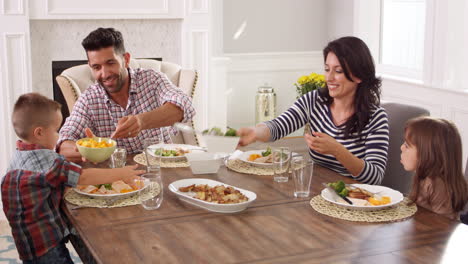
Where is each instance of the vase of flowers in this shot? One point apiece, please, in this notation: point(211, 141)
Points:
point(306, 84)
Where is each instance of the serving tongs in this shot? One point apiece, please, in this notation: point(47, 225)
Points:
point(335, 193)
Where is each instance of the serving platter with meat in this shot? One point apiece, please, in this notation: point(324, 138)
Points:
point(212, 195)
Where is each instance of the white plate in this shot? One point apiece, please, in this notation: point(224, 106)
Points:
point(396, 197)
point(113, 195)
point(245, 158)
point(219, 208)
point(174, 147)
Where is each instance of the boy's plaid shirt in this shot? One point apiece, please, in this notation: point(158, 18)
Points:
point(32, 191)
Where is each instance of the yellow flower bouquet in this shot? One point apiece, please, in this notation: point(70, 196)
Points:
point(309, 83)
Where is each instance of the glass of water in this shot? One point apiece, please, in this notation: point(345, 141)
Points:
point(151, 197)
point(281, 163)
point(118, 158)
point(152, 150)
point(302, 171)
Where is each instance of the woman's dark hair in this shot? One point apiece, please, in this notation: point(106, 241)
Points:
point(104, 38)
point(356, 60)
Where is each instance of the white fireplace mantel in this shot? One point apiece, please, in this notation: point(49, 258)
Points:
point(16, 17)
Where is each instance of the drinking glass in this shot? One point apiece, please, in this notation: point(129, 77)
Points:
point(151, 197)
point(118, 158)
point(152, 147)
point(302, 171)
point(281, 163)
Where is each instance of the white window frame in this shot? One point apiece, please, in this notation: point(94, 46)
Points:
point(368, 26)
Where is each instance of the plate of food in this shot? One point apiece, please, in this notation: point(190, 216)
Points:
point(362, 196)
point(212, 195)
point(262, 157)
point(173, 152)
point(117, 189)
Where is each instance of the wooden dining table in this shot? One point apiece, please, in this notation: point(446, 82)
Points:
point(275, 228)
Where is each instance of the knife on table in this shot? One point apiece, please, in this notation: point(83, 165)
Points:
point(334, 192)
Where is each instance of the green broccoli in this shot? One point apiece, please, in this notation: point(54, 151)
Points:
point(231, 132)
point(338, 186)
point(344, 192)
point(266, 152)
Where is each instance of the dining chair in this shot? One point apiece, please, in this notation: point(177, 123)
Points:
point(74, 80)
point(395, 175)
point(466, 170)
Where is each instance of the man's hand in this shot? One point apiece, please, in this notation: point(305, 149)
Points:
point(323, 143)
point(128, 126)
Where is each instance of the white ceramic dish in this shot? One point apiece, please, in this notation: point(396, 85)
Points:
point(185, 147)
point(219, 208)
point(112, 196)
point(245, 158)
point(220, 144)
point(396, 197)
point(204, 162)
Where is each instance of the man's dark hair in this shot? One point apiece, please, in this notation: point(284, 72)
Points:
point(104, 38)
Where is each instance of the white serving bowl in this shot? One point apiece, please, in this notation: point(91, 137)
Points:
point(220, 144)
point(203, 162)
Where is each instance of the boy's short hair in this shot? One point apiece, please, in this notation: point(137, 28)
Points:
point(32, 110)
point(104, 38)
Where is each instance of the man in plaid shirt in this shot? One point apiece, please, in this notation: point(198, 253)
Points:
point(126, 104)
point(34, 184)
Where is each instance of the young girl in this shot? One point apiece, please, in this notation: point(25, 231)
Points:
point(433, 150)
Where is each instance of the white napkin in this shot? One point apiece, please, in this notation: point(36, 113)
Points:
point(236, 154)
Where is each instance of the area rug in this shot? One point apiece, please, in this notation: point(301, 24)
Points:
point(8, 253)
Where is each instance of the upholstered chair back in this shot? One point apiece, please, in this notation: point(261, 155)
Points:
point(395, 175)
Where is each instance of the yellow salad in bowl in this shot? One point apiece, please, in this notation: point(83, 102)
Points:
point(96, 149)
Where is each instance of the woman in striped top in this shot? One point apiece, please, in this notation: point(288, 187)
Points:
point(349, 128)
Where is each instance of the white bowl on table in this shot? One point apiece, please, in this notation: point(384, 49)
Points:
point(204, 162)
point(220, 144)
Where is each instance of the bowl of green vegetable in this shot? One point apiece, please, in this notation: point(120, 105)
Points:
point(217, 141)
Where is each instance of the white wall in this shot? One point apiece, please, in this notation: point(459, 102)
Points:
point(282, 41)
point(274, 25)
point(340, 18)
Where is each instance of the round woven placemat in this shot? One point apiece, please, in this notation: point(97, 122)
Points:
point(398, 213)
point(86, 201)
point(243, 167)
point(141, 159)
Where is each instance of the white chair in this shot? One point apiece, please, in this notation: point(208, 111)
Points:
point(395, 175)
point(73, 81)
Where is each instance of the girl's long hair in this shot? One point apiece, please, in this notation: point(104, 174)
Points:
point(355, 59)
point(439, 151)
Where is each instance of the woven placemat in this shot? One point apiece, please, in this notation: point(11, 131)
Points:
point(243, 167)
point(398, 213)
point(86, 201)
point(141, 159)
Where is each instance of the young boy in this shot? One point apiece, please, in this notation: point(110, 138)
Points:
point(33, 187)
